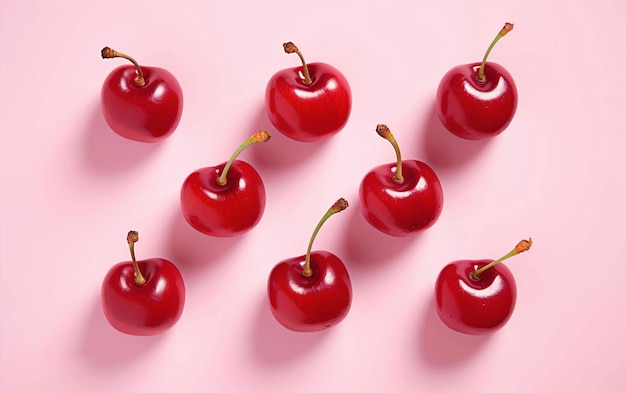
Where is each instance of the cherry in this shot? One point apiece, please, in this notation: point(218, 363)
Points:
point(143, 298)
point(140, 103)
point(478, 100)
point(308, 103)
point(477, 296)
point(311, 292)
point(401, 198)
point(227, 199)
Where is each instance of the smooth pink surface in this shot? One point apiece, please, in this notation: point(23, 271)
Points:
point(71, 189)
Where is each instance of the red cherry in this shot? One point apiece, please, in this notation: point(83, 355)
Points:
point(477, 297)
point(311, 292)
point(402, 198)
point(227, 199)
point(308, 103)
point(143, 298)
point(478, 100)
point(141, 103)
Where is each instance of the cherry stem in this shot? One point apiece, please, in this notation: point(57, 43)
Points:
point(481, 72)
point(290, 47)
point(385, 132)
point(132, 238)
point(108, 53)
point(338, 206)
point(523, 245)
point(259, 136)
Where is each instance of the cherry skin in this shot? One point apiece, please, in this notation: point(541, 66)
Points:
point(308, 103)
point(141, 103)
point(223, 211)
point(311, 292)
point(143, 298)
point(478, 100)
point(307, 304)
point(476, 110)
point(401, 198)
point(225, 200)
point(475, 306)
point(477, 296)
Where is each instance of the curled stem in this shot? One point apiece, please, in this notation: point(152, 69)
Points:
point(108, 53)
point(481, 72)
point(290, 47)
point(132, 238)
point(259, 136)
point(338, 206)
point(523, 245)
point(385, 133)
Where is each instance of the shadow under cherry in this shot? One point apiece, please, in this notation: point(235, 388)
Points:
point(193, 251)
point(444, 150)
point(442, 347)
point(366, 248)
point(273, 344)
point(280, 153)
point(105, 347)
point(106, 153)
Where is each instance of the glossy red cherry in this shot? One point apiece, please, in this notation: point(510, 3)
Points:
point(311, 292)
point(144, 104)
point(308, 103)
point(477, 297)
point(402, 198)
point(478, 100)
point(227, 199)
point(143, 298)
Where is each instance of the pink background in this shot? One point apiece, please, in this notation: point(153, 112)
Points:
point(71, 189)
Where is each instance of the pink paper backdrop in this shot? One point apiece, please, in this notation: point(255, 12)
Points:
point(71, 189)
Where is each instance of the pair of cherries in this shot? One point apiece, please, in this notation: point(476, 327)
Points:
point(313, 291)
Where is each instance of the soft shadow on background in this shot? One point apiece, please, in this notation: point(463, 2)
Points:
point(280, 153)
point(107, 153)
point(105, 347)
point(440, 346)
point(366, 248)
point(275, 345)
point(193, 251)
point(443, 150)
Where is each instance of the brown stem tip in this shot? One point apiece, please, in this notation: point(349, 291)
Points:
point(132, 237)
point(261, 136)
point(340, 205)
point(507, 27)
point(523, 245)
point(290, 47)
point(108, 53)
point(383, 130)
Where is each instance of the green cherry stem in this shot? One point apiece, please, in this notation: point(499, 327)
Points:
point(259, 136)
point(132, 238)
point(481, 72)
point(385, 133)
point(338, 206)
point(108, 53)
point(290, 47)
point(523, 245)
